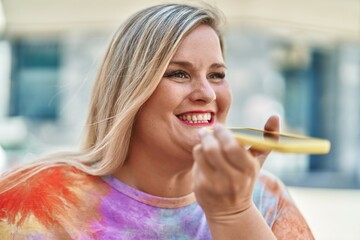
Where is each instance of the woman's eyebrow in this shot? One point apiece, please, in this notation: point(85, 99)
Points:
point(190, 65)
point(218, 65)
point(182, 63)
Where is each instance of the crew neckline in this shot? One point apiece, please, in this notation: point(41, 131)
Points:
point(146, 198)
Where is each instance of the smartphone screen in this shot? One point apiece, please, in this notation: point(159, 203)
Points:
point(276, 136)
point(281, 142)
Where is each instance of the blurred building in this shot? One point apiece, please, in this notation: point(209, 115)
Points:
point(298, 60)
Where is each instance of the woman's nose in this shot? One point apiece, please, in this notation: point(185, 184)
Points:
point(202, 91)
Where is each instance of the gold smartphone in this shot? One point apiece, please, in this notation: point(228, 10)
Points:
point(281, 142)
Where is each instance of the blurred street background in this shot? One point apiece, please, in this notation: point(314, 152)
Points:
point(297, 59)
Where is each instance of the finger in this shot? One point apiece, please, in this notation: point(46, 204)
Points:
point(271, 125)
point(234, 153)
point(211, 151)
point(199, 159)
point(200, 170)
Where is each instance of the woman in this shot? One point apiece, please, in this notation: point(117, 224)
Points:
point(148, 169)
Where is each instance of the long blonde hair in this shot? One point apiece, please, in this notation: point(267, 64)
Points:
point(133, 66)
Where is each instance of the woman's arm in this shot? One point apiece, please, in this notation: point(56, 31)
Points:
point(224, 176)
point(248, 224)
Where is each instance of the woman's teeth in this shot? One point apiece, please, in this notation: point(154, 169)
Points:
point(196, 118)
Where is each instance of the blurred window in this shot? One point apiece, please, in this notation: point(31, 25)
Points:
point(34, 79)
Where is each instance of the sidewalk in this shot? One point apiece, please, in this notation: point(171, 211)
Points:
point(333, 214)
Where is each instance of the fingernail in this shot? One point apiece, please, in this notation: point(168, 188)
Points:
point(217, 127)
point(202, 132)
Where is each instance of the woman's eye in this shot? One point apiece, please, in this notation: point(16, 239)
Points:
point(217, 76)
point(176, 74)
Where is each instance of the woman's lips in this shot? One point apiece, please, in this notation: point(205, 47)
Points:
point(197, 118)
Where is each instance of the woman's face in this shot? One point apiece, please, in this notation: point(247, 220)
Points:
point(192, 94)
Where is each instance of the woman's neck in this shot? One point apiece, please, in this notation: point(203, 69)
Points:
point(160, 176)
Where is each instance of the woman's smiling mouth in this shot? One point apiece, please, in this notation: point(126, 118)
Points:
point(197, 118)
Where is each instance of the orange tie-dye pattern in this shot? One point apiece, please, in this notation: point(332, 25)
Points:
point(289, 223)
point(43, 196)
point(66, 203)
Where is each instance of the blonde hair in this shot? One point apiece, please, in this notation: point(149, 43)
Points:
point(133, 66)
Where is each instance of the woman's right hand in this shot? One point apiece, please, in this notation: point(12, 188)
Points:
point(224, 176)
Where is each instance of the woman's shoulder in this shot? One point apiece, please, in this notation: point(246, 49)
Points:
point(41, 179)
point(269, 195)
point(41, 197)
point(269, 191)
point(43, 185)
point(278, 208)
point(271, 182)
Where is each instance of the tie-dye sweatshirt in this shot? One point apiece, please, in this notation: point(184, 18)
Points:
point(65, 203)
